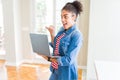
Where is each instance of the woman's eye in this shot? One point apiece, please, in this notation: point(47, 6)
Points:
point(66, 17)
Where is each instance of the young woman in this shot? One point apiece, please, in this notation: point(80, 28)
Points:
point(66, 44)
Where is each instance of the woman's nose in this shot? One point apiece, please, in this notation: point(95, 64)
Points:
point(62, 19)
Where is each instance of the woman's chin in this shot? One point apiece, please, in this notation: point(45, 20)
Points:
point(65, 27)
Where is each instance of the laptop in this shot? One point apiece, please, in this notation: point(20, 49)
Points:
point(40, 44)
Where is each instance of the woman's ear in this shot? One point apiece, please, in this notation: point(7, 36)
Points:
point(74, 17)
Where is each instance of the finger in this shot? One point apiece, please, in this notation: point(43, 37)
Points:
point(47, 27)
point(55, 65)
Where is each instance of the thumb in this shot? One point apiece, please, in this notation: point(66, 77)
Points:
point(46, 27)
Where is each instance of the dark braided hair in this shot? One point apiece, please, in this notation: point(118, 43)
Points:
point(75, 7)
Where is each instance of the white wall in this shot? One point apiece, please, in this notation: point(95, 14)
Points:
point(18, 23)
point(84, 26)
point(26, 25)
point(104, 33)
point(12, 24)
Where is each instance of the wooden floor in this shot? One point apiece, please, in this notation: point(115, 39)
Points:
point(27, 72)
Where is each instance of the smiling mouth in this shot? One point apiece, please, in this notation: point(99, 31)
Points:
point(65, 24)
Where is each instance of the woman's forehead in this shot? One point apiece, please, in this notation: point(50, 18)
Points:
point(65, 12)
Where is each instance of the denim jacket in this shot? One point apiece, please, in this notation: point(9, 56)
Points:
point(69, 48)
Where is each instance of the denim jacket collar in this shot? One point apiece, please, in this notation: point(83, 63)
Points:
point(70, 29)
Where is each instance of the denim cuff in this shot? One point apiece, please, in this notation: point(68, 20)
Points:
point(50, 43)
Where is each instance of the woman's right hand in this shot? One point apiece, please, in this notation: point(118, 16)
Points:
point(51, 29)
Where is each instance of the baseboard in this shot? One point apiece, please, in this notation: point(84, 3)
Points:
point(91, 78)
point(13, 63)
point(36, 60)
point(2, 56)
point(10, 64)
point(82, 67)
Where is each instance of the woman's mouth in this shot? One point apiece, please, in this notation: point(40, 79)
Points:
point(64, 24)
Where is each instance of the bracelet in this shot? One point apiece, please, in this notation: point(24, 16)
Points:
point(48, 58)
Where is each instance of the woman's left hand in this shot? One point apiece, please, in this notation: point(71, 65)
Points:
point(53, 59)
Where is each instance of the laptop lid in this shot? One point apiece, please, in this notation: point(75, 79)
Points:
point(40, 44)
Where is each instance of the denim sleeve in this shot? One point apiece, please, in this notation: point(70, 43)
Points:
point(50, 43)
point(72, 52)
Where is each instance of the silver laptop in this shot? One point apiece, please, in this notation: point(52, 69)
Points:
point(40, 44)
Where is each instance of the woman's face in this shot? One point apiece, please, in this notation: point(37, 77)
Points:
point(68, 19)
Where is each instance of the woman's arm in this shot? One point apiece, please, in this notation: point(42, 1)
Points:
point(51, 29)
